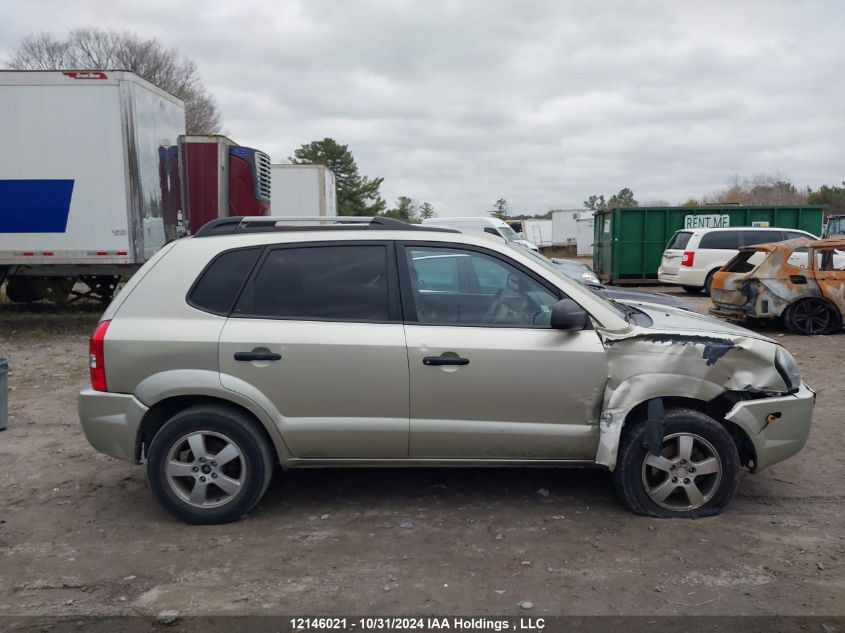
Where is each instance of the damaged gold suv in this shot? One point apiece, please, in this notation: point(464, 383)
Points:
point(370, 342)
point(801, 282)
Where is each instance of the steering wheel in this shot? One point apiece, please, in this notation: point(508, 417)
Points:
point(495, 307)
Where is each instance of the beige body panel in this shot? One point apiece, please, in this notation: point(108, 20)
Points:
point(526, 393)
point(340, 390)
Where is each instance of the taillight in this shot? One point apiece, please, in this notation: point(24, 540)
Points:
point(96, 357)
point(687, 258)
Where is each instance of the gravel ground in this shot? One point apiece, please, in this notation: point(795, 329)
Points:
point(81, 534)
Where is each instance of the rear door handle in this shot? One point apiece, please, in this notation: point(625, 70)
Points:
point(437, 361)
point(257, 356)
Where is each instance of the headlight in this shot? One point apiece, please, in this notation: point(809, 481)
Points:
point(590, 278)
point(788, 369)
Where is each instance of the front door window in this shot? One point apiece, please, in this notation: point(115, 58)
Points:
point(453, 286)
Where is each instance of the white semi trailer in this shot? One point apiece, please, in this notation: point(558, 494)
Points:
point(88, 179)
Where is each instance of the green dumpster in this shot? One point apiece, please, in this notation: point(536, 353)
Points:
point(629, 241)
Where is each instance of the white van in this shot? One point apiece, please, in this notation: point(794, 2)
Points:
point(483, 225)
point(693, 255)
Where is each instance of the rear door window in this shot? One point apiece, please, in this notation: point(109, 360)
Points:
point(337, 283)
point(752, 238)
point(720, 240)
point(679, 240)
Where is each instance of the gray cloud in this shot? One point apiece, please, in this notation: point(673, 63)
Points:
point(543, 103)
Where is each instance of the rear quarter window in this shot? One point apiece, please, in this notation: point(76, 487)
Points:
point(740, 263)
point(720, 240)
point(218, 286)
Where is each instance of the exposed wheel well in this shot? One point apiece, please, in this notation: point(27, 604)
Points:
point(717, 409)
point(162, 411)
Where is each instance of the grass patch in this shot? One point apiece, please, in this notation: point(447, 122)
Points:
point(47, 319)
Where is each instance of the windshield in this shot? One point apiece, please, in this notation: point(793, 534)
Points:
point(508, 233)
point(545, 262)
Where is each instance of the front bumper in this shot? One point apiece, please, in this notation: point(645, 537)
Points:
point(786, 434)
point(110, 422)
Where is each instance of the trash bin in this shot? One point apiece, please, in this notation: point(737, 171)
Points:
point(4, 393)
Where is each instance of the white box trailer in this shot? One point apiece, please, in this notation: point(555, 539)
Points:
point(584, 236)
point(564, 229)
point(302, 190)
point(537, 231)
point(87, 175)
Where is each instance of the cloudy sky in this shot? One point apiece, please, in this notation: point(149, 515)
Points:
point(539, 102)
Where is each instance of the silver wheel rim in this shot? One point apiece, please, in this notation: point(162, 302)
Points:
point(205, 469)
point(684, 475)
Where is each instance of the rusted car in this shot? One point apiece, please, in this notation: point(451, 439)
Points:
point(801, 282)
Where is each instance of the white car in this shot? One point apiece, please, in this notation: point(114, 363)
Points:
point(483, 225)
point(693, 255)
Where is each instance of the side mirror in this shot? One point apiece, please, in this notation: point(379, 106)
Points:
point(568, 315)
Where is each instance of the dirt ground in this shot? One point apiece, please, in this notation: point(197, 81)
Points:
point(81, 534)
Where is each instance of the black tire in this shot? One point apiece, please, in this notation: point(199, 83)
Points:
point(708, 282)
point(219, 426)
point(631, 475)
point(693, 290)
point(811, 317)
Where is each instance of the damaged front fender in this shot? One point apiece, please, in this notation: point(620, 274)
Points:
point(644, 364)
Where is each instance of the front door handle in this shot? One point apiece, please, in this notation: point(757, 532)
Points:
point(437, 361)
point(249, 356)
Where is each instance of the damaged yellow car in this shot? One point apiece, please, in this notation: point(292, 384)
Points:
point(801, 282)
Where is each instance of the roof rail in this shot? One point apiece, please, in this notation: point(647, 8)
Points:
point(266, 223)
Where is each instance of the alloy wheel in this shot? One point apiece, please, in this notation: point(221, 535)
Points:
point(205, 469)
point(811, 317)
point(684, 475)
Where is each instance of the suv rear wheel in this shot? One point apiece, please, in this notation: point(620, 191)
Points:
point(209, 464)
point(694, 474)
point(812, 316)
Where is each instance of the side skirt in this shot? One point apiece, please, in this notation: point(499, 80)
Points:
point(436, 463)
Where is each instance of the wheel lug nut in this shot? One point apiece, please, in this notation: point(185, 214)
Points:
point(686, 480)
point(214, 463)
point(691, 469)
point(214, 475)
point(672, 467)
point(674, 480)
point(195, 469)
point(683, 461)
point(202, 478)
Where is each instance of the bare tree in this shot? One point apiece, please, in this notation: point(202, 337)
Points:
point(99, 49)
point(759, 190)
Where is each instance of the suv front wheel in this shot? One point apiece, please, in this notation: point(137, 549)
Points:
point(209, 464)
point(695, 473)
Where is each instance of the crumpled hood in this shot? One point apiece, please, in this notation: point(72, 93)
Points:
point(675, 320)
